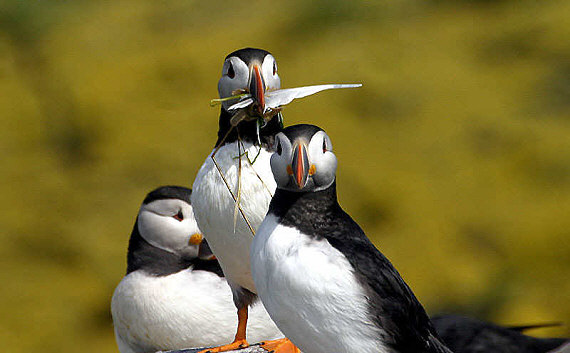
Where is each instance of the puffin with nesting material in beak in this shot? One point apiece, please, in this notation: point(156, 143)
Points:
point(234, 186)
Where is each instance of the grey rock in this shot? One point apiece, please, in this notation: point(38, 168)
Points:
point(251, 349)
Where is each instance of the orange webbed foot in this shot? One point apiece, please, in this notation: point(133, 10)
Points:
point(282, 345)
point(237, 344)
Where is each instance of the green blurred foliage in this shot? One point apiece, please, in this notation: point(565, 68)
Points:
point(454, 156)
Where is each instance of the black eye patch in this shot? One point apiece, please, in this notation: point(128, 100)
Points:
point(231, 72)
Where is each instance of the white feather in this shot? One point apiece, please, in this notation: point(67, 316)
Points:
point(281, 97)
point(182, 310)
point(275, 99)
point(309, 289)
point(214, 207)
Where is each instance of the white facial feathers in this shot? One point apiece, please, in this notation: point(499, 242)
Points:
point(322, 157)
point(322, 162)
point(236, 76)
point(281, 159)
point(270, 75)
point(168, 224)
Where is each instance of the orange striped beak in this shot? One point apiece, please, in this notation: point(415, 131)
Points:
point(257, 88)
point(300, 165)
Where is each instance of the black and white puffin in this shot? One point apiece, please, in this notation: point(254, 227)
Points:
point(320, 278)
point(174, 295)
point(213, 204)
point(242, 153)
point(234, 186)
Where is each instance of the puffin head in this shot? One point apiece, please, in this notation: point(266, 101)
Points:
point(166, 221)
point(248, 70)
point(303, 160)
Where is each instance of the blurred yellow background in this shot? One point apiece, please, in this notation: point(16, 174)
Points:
point(454, 156)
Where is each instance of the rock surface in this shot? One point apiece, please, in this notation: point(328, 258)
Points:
point(257, 349)
point(251, 349)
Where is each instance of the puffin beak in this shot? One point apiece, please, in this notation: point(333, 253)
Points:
point(195, 239)
point(257, 88)
point(300, 165)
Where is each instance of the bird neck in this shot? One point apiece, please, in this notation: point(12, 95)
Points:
point(302, 209)
point(247, 130)
point(158, 262)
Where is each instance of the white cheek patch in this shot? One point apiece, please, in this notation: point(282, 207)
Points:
point(279, 162)
point(315, 147)
point(325, 170)
point(286, 149)
point(227, 85)
point(165, 232)
point(158, 230)
point(272, 82)
point(279, 168)
point(324, 161)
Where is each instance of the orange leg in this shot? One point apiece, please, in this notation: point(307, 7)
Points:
point(282, 345)
point(239, 341)
point(242, 326)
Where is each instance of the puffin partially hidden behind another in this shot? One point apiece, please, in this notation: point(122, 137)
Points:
point(320, 278)
point(174, 295)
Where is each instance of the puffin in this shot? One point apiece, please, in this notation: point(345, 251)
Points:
point(234, 186)
point(322, 281)
point(174, 295)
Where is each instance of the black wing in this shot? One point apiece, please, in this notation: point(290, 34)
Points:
point(469, 335)
point(393, 304)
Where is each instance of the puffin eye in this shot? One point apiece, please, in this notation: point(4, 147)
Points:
point(324, 145)
point(279, 148)
point(231, 72)
point(179, 216)
point(274, 68)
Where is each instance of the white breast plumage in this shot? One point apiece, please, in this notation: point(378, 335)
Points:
point(182, 310)
point(312, 285)
point(214, 207)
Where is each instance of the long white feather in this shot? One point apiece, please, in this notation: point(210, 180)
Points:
point(281, 97)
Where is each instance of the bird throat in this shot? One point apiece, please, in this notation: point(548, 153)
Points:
point(248, 130)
